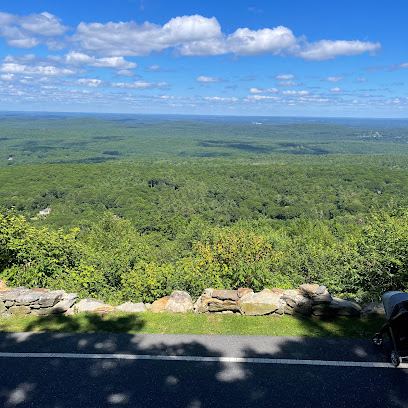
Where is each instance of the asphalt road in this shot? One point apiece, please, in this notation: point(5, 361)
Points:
point(229, 371)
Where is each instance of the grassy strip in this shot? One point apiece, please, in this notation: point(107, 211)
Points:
point(165, 323)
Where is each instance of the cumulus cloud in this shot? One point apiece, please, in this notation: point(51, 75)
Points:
point(219, 99)
point(208, 79)
point(261, 98)
point(335, 89)
point(334, 79)
point(78, 58)
point(295, 93)
point(261, 90)
point(125, 72)
point(29, 31)
point(284, 76)
point(130, 38)
point(44, 70)
point(243, 42)
point(287, 83)
point(328, 49)
point(154, 68)
point(139, 85)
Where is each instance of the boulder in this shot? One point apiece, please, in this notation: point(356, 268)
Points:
point(104, 310)
point(296, 303)
point(217, 305)
point(279, 291)
point(27, 298)
point(42, 290)
point(179, 302)
point(2, 307)
point(51, 298)
point(308, 289)
point(19, 310)
point(318, 294)
point(346, 307)
point(159, 304)
point(338, 307)
point(12, 294)
point(257, 304)
point(373, 309)
point(62, 306)
point(89, 305)
point(201, 305)
point(225, 294)
point(243, 291)
point(130, 307)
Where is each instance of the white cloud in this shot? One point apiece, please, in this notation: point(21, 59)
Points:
point(261, 98)
point(208, 79)
point(243, 42)
point(125, 72)
point(293, 93)
point(287, 83)
point(327, 49)
point(261, 90)
point(154, 68)
point(78, 58)
point(334, 79)
point(29, 31)
point(129, 38)
point(90, 83)
point(7, 77)
point(139, 85)
point(44, 70)
point(284, 76)
point(335, 89)
point(219, 99)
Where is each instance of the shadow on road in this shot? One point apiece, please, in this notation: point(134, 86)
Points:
point(63, 383)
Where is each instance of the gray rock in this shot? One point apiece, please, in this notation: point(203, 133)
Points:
point(130, 307)
point(89, 305)
point(321, 290)
point(373, 309)
point(338, 307)
point(60, 307)
point(179, 302)
point(225, 294)
point(323, 297)
point(20, 310)
point(296, 303)
point(217, 305)
point(11, 295)
point(346, 307)
point(148, 306)
point(258, 304)
point(28, 298)
point(2, 307)
point(309, 289)
point(52, 297)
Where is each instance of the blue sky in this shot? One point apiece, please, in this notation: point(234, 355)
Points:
point(293, 58)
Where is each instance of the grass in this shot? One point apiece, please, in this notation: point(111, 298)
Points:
point(165, 323)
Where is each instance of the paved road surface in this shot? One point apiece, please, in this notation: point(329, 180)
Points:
point(43, 370)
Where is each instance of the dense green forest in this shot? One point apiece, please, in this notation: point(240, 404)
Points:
point(141, 209)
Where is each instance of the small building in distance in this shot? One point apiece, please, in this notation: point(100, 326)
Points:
point(10, 158)
point(45, 211)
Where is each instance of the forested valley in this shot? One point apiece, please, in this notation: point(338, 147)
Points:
point(140, 208)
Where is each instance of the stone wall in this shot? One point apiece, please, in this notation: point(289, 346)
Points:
point(308, 300)
point(39, 302)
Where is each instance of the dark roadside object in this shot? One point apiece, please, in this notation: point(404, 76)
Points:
point(396, 309)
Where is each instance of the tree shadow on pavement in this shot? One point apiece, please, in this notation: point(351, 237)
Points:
point(63, 382)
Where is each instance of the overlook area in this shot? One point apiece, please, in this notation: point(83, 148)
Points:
point(135, 207)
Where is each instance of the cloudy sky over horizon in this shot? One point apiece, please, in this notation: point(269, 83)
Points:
point(313, 58)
